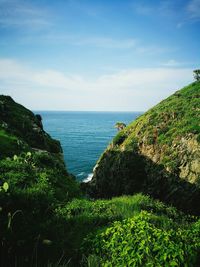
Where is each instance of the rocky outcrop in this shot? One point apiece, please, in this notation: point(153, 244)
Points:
point(21, 129)
point(158, 154)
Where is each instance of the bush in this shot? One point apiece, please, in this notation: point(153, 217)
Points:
point(119, 138)
point(143, 241)
point(27, 215)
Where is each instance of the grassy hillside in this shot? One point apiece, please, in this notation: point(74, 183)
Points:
point(158, 154)
point(174, 117)
point(33, 169)
point(21, 130)
point(46, 221)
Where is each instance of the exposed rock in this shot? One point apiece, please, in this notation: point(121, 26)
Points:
point(158, 154)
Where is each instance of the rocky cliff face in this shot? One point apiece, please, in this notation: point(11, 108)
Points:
point(21, 129)
point(158, 154)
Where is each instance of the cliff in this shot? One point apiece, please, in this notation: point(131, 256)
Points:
point(36, 179)
point(158, 154)
point(21, 130)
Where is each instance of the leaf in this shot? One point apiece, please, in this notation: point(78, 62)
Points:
point(5, 186)
point(173, 263)
point(47, 242)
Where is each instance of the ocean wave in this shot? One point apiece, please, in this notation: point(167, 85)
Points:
point(88, 178)
point(81, 174)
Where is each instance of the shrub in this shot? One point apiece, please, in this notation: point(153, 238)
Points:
point(143, 241)
point(35, 189)
point(119, 138)
point(197, 75)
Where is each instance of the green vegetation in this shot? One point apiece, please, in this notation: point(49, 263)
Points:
point(147, 240)
point(34, 181)
point(20, 122)
point(119, 138)
point(131, 231)
point(38, 183)
point(197, 75)
point(10, 144)
point(46, 220)
point(107, 233)
point(120, 125)
point(157, 154)
point(172, 118)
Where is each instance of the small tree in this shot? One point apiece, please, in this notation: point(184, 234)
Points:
point(120, 126)
point(197, 75)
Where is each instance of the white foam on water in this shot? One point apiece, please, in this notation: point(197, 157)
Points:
point(81, 174)
point(89, 178)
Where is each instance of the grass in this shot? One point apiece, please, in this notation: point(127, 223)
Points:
point(175, 117)
point(9, 144)
point(85, 218)
point(123, 231)
point(163, 142)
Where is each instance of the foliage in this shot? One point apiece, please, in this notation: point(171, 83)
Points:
point(120, 125)
point(197, 75)
point(145, 240)
point(174, 117)
point(10, 144)
point(119, 138)
point(24, 125)
point(37, 184)
point(153, 152)
point(86, 219)
point(44, 219)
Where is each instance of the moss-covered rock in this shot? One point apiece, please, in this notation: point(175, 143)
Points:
point(158, 153)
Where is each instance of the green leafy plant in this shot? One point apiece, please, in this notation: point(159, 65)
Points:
point(144, 241)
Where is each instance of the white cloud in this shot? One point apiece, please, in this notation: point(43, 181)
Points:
point(132, 89)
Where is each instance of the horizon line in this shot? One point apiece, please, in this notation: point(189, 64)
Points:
point(111, 111)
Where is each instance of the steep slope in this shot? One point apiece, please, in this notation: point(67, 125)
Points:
point(33, 169)
point(20, 129)
point(158, 154)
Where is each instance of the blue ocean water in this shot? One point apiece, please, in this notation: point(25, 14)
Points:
point(83, 135)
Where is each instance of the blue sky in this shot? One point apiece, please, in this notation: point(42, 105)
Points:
point(97, 55)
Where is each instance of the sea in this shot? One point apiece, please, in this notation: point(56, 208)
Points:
point(83, 136)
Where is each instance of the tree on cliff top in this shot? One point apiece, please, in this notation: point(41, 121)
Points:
point(197, 75)
point(120, 126)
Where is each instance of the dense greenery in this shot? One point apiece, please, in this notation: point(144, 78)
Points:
point(32, 166)
point(10, 144)
point(37, 184)
point(172, 118)
point(45, 219)
point(157, 154)
point(143, 232)
point(21, 124)
point(147, 240)
point(197, 75)
point(39, 219)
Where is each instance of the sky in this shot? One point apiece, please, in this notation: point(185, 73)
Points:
point(108, 55)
